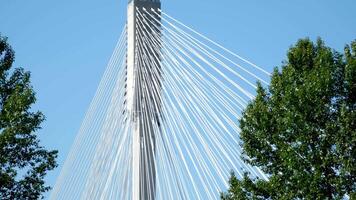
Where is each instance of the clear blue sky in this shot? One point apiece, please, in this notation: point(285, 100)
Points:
point(66, 44)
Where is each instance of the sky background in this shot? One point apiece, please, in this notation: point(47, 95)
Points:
point(66, 44)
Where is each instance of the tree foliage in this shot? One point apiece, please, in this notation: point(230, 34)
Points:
point(301, 131)
point(23, 162)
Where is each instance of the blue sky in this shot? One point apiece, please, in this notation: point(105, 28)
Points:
point(66, 44)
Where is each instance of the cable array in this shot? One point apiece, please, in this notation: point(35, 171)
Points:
point(192, 91)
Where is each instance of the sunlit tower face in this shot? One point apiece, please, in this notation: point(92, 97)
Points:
point(142, 94)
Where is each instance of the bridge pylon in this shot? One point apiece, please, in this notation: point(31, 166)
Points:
point(141, 94)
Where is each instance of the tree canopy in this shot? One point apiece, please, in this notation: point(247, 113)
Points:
point(23, 162)
point(301, 130)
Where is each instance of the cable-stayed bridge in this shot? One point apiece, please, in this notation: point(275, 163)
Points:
point(163, 123)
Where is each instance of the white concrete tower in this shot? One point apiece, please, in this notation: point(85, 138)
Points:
point(145, 121)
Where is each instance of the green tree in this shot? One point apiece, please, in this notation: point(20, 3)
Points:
point(301, 131)
point(23, 162)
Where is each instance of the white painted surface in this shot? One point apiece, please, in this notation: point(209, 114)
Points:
point(130, 99)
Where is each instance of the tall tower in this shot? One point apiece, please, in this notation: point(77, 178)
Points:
point(142, 93)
